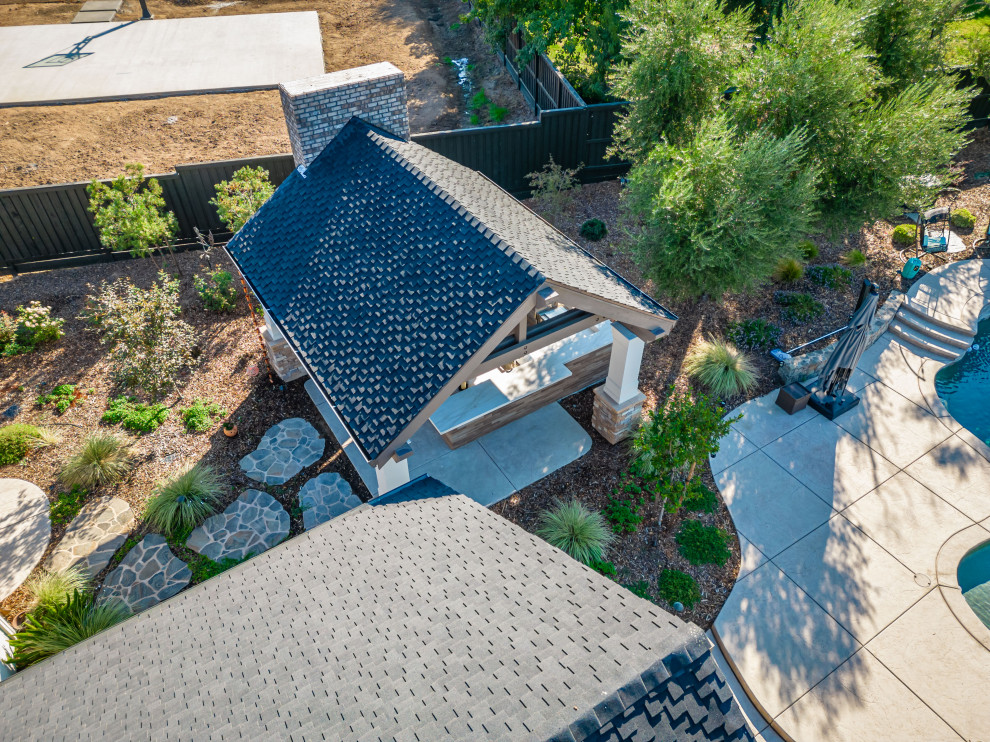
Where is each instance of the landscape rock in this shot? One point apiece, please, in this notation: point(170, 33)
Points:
point(93, 536)
point(251, 524)
point(285, 450)
point(148, 574)
point(324, 497)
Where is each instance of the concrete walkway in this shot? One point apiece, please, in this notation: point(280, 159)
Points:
point(846, 621)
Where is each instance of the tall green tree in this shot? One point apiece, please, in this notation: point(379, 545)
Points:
point(129, 213)
point(719, 212)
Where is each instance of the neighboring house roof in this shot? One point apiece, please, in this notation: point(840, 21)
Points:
point(388, 267)
point(424, 620)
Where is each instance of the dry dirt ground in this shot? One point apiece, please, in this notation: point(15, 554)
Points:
point(56, 144)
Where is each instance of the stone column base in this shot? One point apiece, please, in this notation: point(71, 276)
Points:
point(616, 421)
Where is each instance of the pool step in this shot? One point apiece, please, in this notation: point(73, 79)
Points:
point(954, 337)
point(909, 307)
point(923, 341)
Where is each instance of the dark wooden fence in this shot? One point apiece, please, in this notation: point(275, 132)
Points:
point(540, 82)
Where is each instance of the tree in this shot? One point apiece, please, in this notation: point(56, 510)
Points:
point(682, 54)
point(149, 344)
point(129, 217)
point(238, 198)
point(672, 441)
point(719, 213)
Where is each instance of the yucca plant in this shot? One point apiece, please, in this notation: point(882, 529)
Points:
point(788, 270)
point(48, 590)
point(575, 530)
point(721, 367)
point(103, 459)
point(179, 504)
point(49, 631)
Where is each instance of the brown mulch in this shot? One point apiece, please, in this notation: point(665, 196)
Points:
point(231, 371)
point(593, 477)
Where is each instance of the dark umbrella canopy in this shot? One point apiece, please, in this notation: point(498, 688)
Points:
point(835, 373)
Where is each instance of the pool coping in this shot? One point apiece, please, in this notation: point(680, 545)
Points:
point(955, 548)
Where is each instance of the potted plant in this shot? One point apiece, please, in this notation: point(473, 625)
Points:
point(230, 428)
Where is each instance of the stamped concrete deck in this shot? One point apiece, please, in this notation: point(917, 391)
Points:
point(72, 63)
point(845, 623)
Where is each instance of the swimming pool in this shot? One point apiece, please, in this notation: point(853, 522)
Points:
point(964, 386)
point(973, 575)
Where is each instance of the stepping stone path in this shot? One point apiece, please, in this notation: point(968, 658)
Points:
point(93, 536)
point(149, 574)
point(285, 450)
point(324, 497)
point(25, 530)
point(251, 524)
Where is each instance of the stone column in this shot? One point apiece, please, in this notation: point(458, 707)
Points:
point(392, 475)
point(618, 402)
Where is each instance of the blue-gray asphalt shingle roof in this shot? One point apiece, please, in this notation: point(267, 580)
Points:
point(382, 282)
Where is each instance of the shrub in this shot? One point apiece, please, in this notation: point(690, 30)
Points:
point(640, 588)
point(50, 631)
point(63, 397)
point(675, 586)
point(67, 506)
point(150, 345)
point(35, 325)
point(8, 330)
point(623, 514)
point(854, 259)
point(575, 530)
point(136, 416)
point(129, 218)
point(701, 544)
point(179, 504)
point(753, 334)
point(905, 234)
point(699, 498)
point(788, 270)
point(594, 230)
point(830, 276)
point(199, 416)
point(606, 569)
point(808, 249)
point(551, 184)
point(721, 367)
point(16, 439)
point(238, 198)
point(49, 590)
point(103, 459)
point(962, 218)
point(478, 101)
point(203, 568)
point(497, 113)
point(216, 290)
point(797, 307)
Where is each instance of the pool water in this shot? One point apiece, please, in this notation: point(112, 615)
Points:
point(964, 386)
point(974, 581)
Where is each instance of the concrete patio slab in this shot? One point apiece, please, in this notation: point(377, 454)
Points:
point(25, 529)
point(907, 370)
point(468, 470)
point(763, 421)
point(829, 461)
point(908, 520)
point(954, 471)
point(849, 575)
point(732, 448)
point(779, 639)
point(937, 659)
point(769, 506)
point(751, 557)
point(862, 700)
point(114, 61)
point(892, 425)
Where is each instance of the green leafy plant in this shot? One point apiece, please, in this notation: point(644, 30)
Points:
point(808, 249)
point(905, 234)
point(701, 544)
point(200, 415)
point(179, 504)
point(478, 101)
point(699, 498)
point(854, 259)
point(149, 345)
point(49, 590)
point(36, 326)
point(63, 397)
point(594, 230)
point(606, 569)
point(216, 290)
point(497, 113)
point(721, 367)
point(17, 439)
point(962, 218)
point(623, 514)
point(52, 630)
point(103, 458)
point(797, 307)
point(575, 530)
point(474, 119)
point(67, 506)
point(133, 415)
point(129, 217)
point(830, 276)
point(753, 334)
point(675, 586)
point(203, 568)
point(8, 330)
point(788, 270)
point(550, 185)
point(240, 197)
point(640, 588)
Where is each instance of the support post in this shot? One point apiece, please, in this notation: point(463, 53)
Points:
point(618, 402)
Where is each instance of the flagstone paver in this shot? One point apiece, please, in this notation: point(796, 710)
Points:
point(147, 575)
point(251, 524)
point(285, 450)
point(93, 536)
point(324, 497)
point(25, 530)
